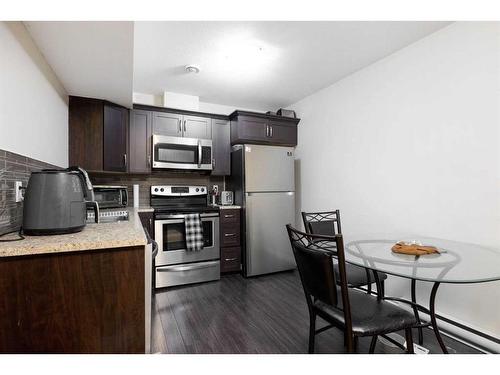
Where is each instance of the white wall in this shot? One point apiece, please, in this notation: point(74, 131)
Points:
point(222, 109)
point(33, 103)
point(411, 144)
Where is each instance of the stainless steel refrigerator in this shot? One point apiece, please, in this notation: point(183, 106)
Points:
point(263, 181)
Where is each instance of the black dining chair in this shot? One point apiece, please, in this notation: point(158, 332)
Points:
point(328, 296)
point(328, 223)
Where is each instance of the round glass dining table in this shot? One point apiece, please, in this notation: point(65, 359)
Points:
point(456, 262)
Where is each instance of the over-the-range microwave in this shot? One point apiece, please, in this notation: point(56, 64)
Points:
point(181, 153)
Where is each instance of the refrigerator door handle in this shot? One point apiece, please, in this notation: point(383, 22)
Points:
point(267, 192)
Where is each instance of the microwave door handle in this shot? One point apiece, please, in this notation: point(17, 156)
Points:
point(199, 153)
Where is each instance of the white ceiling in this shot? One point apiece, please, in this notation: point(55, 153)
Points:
point(92, 59)
point(262, 65)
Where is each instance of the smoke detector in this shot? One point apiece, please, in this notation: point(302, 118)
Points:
point(192, 69)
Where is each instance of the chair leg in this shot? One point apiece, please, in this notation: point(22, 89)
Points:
point(349, 343)
point(409, 341)
point(373, 343)
point(382, 288)
point(355, 344)
point(312, 331)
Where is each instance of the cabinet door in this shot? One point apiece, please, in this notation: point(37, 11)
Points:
point(197, 127)
point(221, 148)
point(85, 133)
point(167, 124)
point(140, 142)
point(115, 138)
point(249, 129)
point(282, 134)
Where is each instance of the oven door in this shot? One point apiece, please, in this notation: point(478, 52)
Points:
point(181, 153)
point(170, 234)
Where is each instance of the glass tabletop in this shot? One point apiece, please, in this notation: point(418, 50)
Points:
point(457, 262)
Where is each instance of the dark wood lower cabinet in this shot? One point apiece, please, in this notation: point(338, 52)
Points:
point(81, 302)
point(230, 240)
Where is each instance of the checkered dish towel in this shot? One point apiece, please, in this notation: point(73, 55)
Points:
point(194, 232)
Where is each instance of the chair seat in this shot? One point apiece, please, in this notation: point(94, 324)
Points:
point(370, 316)
point(356, 275)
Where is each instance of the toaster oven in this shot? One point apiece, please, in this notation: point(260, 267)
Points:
point(111, 196)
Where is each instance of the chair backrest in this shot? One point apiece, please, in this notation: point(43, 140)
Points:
point(325, 223)
point(313, 255)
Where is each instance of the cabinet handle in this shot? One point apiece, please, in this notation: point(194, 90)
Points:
point(213, 163)
point(184, 126)
point(230, 259)
point(149, 161)
point(229, 234)
point(180, 126)
point(228, 216)
point(267, 130)
point(271, 131)
point(125, 160)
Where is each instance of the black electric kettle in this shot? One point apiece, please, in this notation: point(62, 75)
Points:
point(56, 201)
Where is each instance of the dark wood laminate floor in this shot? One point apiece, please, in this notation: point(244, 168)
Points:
point(267, 314)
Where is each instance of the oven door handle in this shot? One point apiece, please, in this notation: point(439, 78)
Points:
point(175, 219)
point(199, 153)
point(189, 267)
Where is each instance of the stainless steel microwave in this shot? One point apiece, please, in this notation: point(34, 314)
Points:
point(181, 153)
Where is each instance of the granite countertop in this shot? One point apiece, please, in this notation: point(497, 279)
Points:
point(92, 237)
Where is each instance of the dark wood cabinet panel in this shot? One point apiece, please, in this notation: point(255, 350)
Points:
point(197, 127)
point(80, 302)
point(230, 259)
point(229, 216)
point(248, 130)
point(115, 138)
point(221, 148)
point(97, 132)
point(280, 133)
point(140, 141)
point(230, 235)
point(169, 124)
point(257, 128)
point(85, 132)
point(230, 240)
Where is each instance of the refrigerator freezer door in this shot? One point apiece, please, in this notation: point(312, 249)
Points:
point(267, 245)
point(269, 168)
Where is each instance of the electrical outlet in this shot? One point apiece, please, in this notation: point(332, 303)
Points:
point(19, 193)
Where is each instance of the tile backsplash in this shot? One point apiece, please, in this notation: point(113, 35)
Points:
point(14, 167)
point(156, 178)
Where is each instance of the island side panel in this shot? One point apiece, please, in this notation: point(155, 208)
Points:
point(76, 302)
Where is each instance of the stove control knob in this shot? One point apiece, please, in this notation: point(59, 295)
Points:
point(202, 190)
point(162, 190)
point(197, 190)
point(156, 190)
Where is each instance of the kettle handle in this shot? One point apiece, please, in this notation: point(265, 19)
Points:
point(94, 205)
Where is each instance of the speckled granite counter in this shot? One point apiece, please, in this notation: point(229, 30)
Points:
point(93, 237)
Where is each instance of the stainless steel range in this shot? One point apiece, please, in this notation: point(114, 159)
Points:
point(174, 264)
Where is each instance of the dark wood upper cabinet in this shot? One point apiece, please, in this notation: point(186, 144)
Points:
point(258, 128)
point(197, 127)
point(221, 148)
point(140, 141)
point(97, 133)
point(179, 125)
point(115, 138)
point(85, 132)
point(169, 124)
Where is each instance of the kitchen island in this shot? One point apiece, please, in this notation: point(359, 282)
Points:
point(84, 292)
